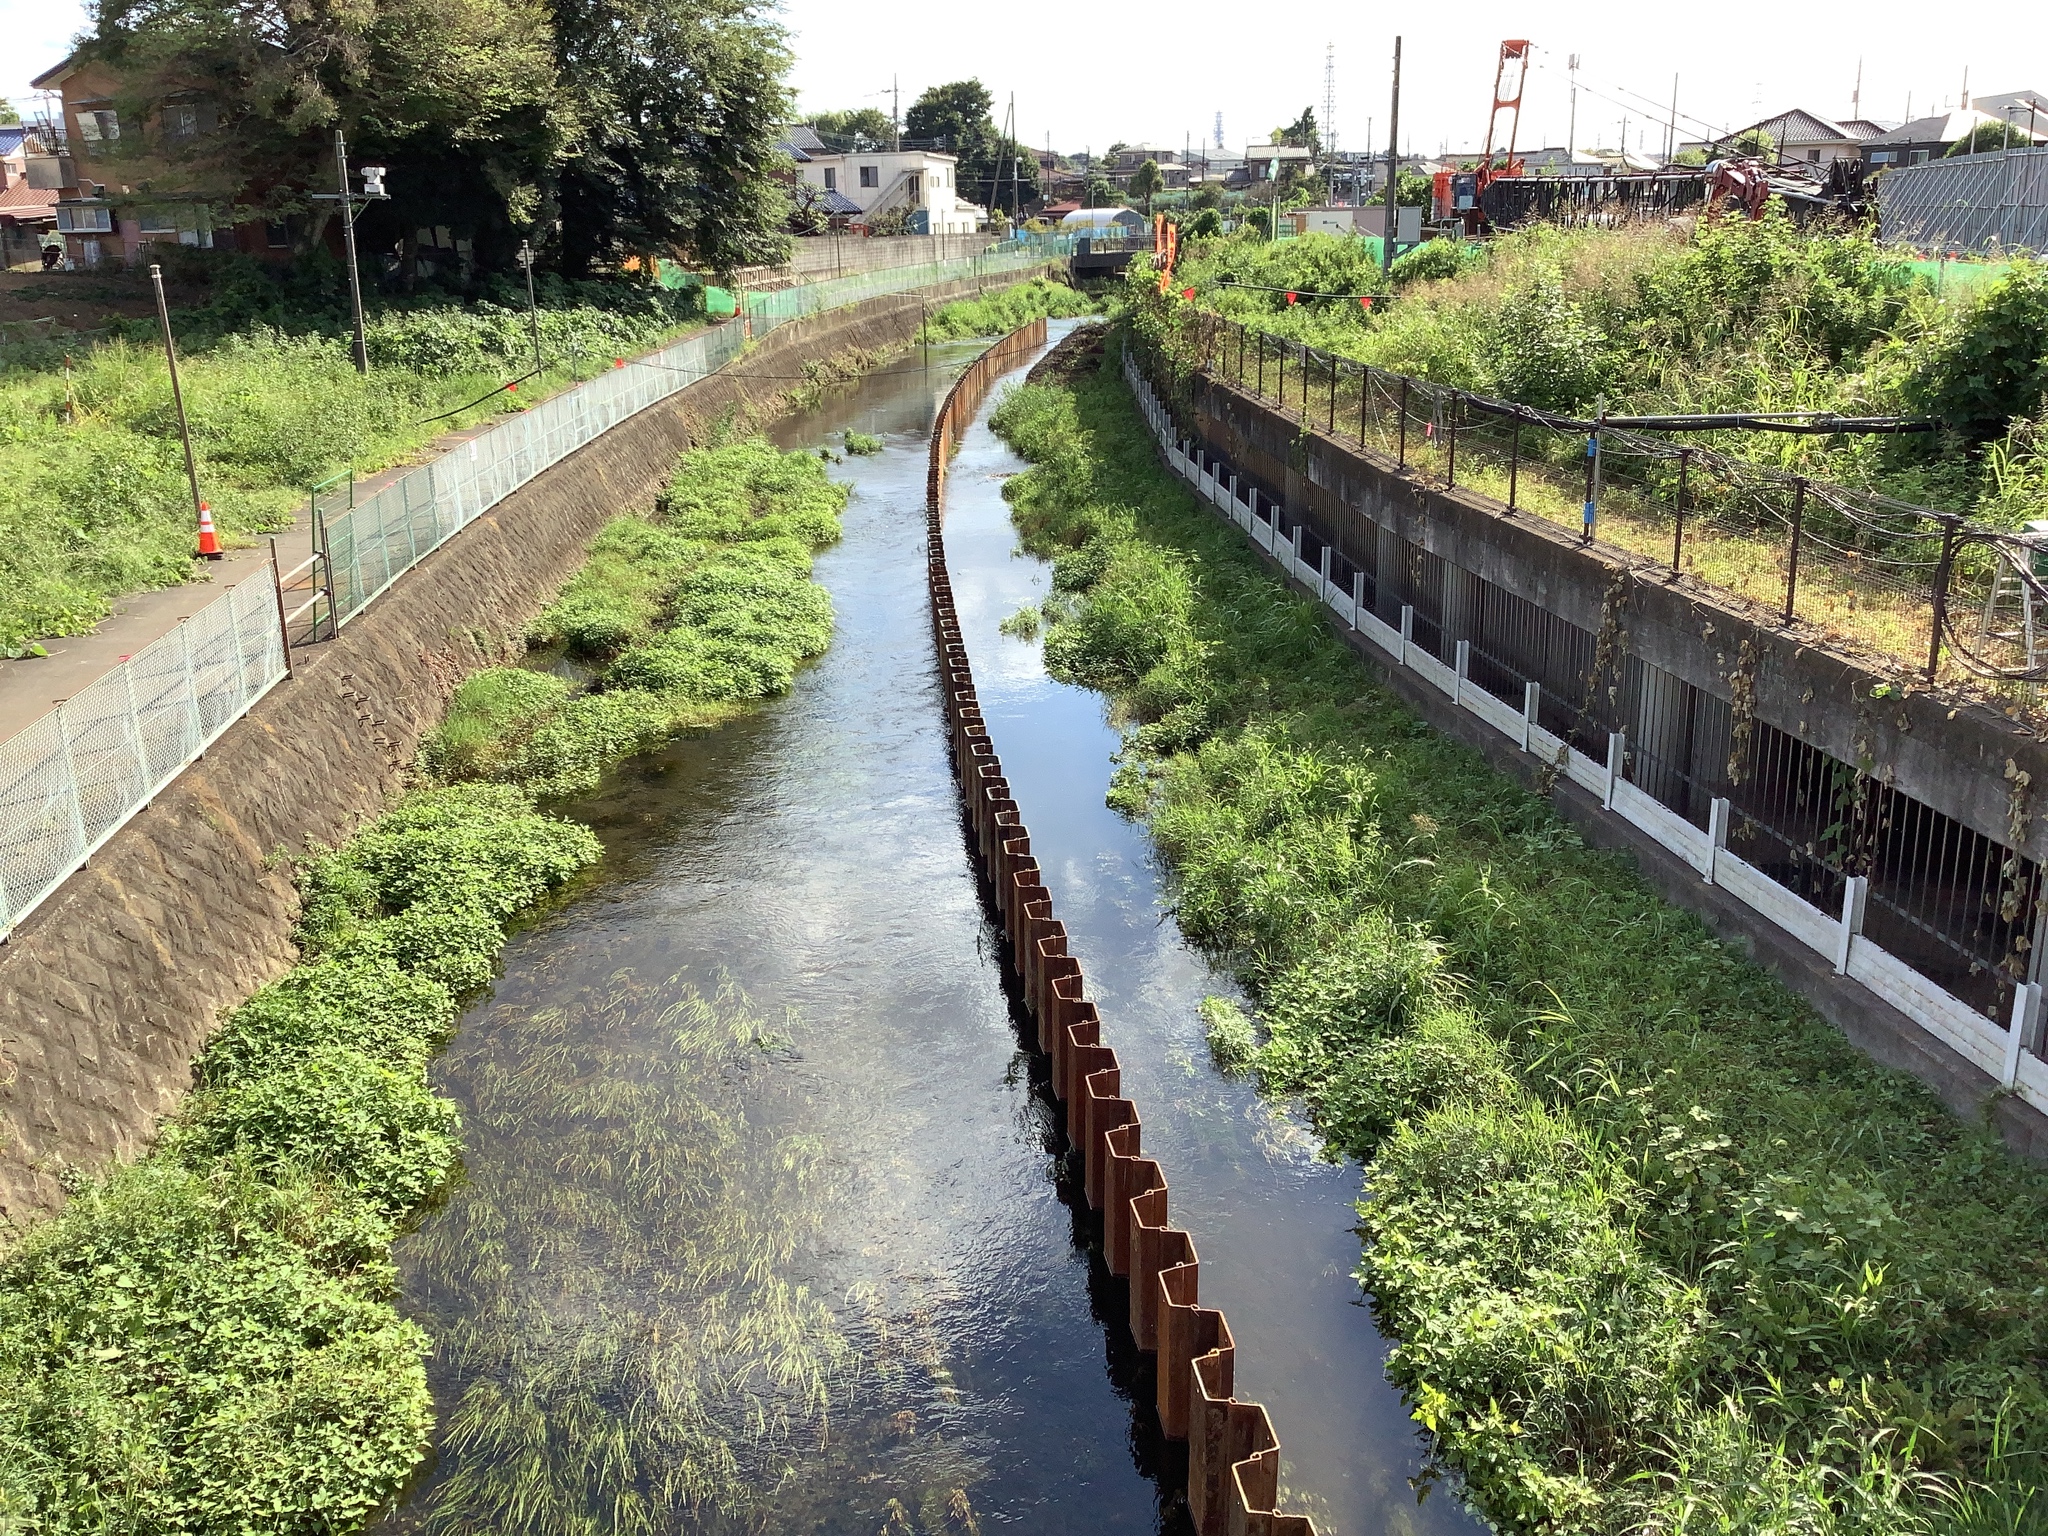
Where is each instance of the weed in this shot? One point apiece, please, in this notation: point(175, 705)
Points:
point(999, 313)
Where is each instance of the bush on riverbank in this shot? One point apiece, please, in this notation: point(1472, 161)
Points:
point(1661, 1250)
point(93, 496)
point(704, 607)
point(1001, 312)
point(204, 1341)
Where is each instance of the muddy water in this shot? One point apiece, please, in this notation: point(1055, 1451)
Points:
point(764, 1224)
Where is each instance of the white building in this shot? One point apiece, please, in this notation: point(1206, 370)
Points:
point(917, 183)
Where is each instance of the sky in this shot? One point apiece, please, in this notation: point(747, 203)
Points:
point(1088, 75)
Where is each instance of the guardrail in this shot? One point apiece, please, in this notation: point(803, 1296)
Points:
point(2004, 1042)
point(76, 776)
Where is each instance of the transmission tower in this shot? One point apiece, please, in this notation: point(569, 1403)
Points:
point(1330, 118)
point(1219, 130)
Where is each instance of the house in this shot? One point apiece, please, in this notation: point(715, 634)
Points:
point(1265, 163)
point(1123, 165)
point(1801, 137)
point(1924, 139)
point(868, 187)
point(28, 213)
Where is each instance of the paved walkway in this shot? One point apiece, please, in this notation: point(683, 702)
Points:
point(30, 686)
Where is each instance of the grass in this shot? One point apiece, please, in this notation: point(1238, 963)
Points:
point(1659, 1248)
point(687, 615)
point(93, 495)
point(999, 313)
point(204, 1341)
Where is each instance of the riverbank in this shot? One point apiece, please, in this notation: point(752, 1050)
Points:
point(207, 1338)
point(1658, 1245)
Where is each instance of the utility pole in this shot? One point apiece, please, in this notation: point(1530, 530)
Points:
point(896, 112)
point(1571, 132)
point(201, 518)
point(348, 240)
point(532, 309)
point(1856, 96)
point(1393, 169)
point(1671, 128)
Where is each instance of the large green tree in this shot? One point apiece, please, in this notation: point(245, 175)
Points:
point(855, 128)
point(677, 106)
point(959, 115)
point(237, 104)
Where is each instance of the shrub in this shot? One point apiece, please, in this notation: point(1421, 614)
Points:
point(491, 713)
point(1433, 260)
point(1988, 364)
point(999, 313)
point(367, 1003)
point(334, 1113)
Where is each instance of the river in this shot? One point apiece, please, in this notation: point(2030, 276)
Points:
point(765, 1223)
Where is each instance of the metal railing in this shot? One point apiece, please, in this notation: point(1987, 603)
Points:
point(1954, 599)
point(71, 780)
point(1945, 924)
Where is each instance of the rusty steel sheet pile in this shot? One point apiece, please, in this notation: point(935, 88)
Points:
point(1233, 1453)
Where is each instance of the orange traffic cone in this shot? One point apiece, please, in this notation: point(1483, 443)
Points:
point(209, 541)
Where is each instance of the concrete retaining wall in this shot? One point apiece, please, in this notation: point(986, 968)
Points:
point(108, 992)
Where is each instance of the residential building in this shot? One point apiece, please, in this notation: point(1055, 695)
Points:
point(28, 213)
point(917, 184)
point(1264, 162)
point(1925, 138)
point(1801, 137)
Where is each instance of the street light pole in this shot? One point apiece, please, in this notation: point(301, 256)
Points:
point(348, 240)
point(200, 517)
point(532, 309)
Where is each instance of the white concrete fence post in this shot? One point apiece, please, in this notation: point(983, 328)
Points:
point(1324, 591)
point(1464, 655)
point(1855, 896)
point(1407, 631)
point(1617, 754)
point(2024, 1033)
point(1532, 701)
point(1357, 599)
point(1717, 839)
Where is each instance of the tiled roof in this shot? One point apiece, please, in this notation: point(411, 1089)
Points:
point(24, 201)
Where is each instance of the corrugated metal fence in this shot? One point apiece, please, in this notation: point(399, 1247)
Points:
point(75, 777)
point(1989, 202)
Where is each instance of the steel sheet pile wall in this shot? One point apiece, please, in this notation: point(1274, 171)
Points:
point(1233, 1453)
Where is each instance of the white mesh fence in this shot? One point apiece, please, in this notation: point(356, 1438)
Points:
point(72, 779)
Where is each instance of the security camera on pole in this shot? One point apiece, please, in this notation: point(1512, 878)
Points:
point(373, 191)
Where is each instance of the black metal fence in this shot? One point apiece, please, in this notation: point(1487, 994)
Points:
point(1947, 597)
point(1960, 908)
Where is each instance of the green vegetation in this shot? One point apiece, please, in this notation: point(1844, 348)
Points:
point(862, 445)
point(1661, 1250)
point(204, 1341)
point(93, 497)
point(1733, 316)
point(701, 609)
point(1001, 312)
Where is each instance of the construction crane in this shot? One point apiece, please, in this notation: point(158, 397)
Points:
point(1456, 193)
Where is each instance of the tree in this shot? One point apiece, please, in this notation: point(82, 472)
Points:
point(1301, 133)
point(1415, 191)
point(957, 115)
point(677, 107)
point(1146, 182)
point(9, 116)
point(1987, 137)
point(1102, 193)
point(854, 129)
point(255, 95)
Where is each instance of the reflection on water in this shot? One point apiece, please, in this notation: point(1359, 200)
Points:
point(766, 1224)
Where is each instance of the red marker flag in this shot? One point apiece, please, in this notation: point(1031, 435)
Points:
point(1290, 296)
point(1188, 294)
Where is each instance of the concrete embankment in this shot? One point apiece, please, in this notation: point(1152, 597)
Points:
point(108, 992)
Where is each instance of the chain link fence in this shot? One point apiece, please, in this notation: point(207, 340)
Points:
point(73, 778)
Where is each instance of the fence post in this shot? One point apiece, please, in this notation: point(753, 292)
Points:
point(1280, 377)
point(1357, 598)
point(1260, 349)
point(1617, 757)
point(1532, 702)
point(2026, 1016)
point(1407, 630)
point(1855, 896)
point(1463, 665)
point(1717, 838)
point(1404, 422)
point(1333, 394)
point(1451, 444)
point(1324, 590)
point(1942, 568)
point(1514, 460)
point(1364, 390)
point(1792, 553)
point(1592, 483)
point(1678, 527)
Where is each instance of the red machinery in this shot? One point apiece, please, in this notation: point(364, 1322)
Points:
point(1739, 186)
point(1456, 193)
